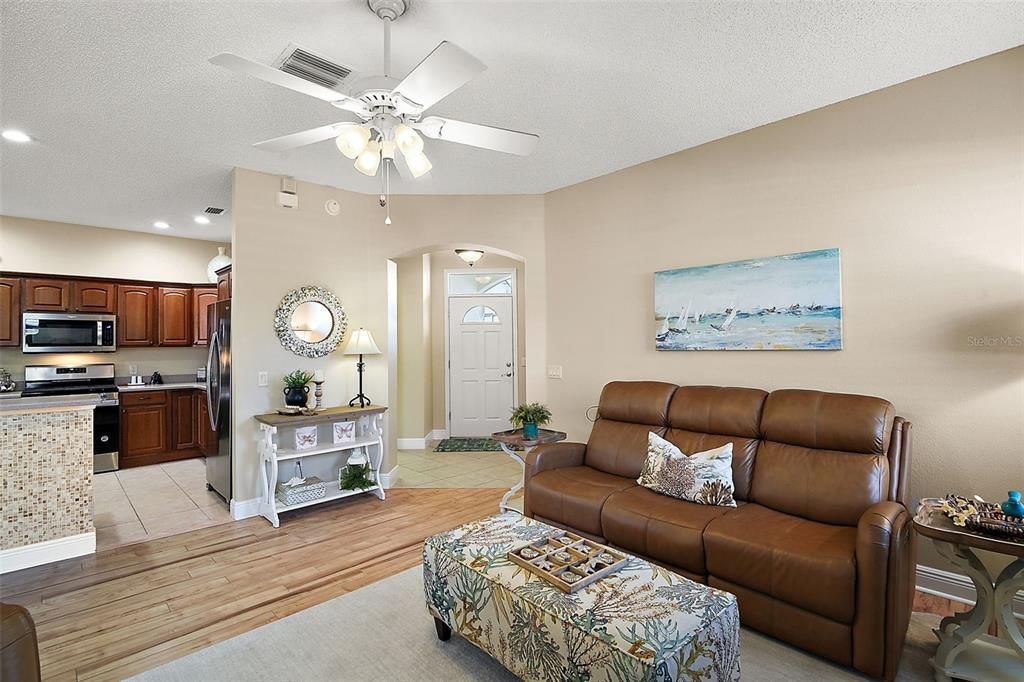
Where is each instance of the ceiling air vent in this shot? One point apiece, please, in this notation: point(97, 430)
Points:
point(313, 68)
point(213, 210)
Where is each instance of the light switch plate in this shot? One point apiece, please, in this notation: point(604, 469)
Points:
point(261, 379)
point(554, 371)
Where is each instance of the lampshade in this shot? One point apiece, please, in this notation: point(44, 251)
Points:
point(418, 163)
point(471, 256)
point(352, 139)
point(369, 160)
point(361, 343)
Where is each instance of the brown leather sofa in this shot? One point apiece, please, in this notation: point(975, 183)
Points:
point(19, 649)
point(819, 550)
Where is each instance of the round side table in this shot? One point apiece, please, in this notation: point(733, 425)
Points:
point(965, 651)
point(507, 439)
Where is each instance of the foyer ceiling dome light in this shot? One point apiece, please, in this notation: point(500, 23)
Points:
point(471, 256)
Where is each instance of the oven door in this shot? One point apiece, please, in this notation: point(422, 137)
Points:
point(68, 333)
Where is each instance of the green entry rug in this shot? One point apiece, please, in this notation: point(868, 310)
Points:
point(470, 445)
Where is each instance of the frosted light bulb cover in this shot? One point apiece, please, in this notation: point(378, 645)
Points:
point(408, 140)
point(369, 161)
point(418, 164)
point(352, 140)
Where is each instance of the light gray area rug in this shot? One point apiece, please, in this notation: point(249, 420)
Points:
point(382, 632)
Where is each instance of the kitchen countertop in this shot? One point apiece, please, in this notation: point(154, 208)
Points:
point(170, 386)
point(46, 402)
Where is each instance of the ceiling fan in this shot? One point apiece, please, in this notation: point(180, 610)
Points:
point(390, 111)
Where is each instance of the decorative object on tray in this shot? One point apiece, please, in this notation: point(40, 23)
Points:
point(305, 438)
point(296, 392)
point(790, 302)
point(356, 474)
point(568, 561)
point(703, 477)
point(318, 393)
point(529, 417)
point(361, 343)
point(983, 517)
point(310, 321)
point(300, 489)
point(463, 444)
point(344, 432)
point(1013, 506)
point(296, 411)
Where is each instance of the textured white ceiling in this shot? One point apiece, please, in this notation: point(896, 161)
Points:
point(133, 125)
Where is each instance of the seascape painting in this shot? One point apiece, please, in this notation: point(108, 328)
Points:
point(790, 302)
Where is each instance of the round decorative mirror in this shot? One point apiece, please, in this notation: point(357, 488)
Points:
point(310, 322)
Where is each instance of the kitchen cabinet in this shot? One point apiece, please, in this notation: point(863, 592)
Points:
point(10, 311)
point(207, 436)
point(143, 427)
point(183, 422)
point(136, 315)
point(46, 295)
point(224, 283)
point(174, 316)
point(202, 297)
point(93, 297)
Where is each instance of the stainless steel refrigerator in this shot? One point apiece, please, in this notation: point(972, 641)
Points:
point(218, 396)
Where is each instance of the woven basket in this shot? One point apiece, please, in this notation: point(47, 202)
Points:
point(312, 489)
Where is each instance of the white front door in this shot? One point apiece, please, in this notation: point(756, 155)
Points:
point(481, 375)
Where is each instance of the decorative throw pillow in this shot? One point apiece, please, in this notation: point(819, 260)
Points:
point(704, 477)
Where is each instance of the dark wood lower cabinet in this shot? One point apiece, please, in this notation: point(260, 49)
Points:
point(207, 436)
point(162, 426)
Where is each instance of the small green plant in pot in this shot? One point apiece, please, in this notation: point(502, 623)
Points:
point(296, 392)
point(530, 417)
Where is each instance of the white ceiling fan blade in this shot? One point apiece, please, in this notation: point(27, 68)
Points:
point(300, 139)
point(441, 73)
point(233, 62)
point(476, 135)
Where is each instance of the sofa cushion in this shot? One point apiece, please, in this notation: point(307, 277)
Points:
point(662, 528)
point(801, 562)
point(705, 417)
point(628, 411)
point(573, 496)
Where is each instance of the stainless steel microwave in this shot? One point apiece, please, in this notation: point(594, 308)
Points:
point(68, 333)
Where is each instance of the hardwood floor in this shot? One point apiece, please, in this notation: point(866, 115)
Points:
point(129, 609)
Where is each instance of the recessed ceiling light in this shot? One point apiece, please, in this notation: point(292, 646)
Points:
point(160, 224)
point(202, 220)
point(15, 135)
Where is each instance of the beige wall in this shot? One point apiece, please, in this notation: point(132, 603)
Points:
point(40, 246)
point(276, 250)
point(920, 185)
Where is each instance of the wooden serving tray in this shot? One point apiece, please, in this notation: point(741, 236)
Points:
point(568, 561)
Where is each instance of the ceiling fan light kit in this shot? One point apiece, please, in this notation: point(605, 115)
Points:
point(390, 111)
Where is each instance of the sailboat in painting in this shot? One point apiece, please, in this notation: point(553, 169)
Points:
point(790, 302)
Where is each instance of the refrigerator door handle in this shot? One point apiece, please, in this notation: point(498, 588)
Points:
point(212, 402)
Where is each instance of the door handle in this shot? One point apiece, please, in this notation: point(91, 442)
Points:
point(508, 374)
point(508, 364)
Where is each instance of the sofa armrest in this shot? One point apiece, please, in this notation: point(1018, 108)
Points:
point(550, 456)
point(882, 540)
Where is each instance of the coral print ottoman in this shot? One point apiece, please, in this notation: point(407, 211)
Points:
point(639, 623)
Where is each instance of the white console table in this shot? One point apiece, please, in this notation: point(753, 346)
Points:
point(278, 452)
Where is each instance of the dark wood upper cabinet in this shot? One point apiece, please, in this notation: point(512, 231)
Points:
point(202, 297)
point(10, 311)
point(224, 284)
point(46, 295)
point(93, 297)
point(136, 315)
point(174, 316)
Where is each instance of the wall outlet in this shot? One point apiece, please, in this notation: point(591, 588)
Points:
point(261, 379)
point(554, 371)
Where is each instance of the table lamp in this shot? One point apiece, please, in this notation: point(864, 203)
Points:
point(361, 343)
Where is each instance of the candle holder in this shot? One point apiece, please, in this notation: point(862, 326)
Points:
point(318, 393)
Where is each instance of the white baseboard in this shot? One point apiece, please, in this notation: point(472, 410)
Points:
point(438, 434)
point(17, 558)
point(411, 443)
point(245, 509)
point(955, 586)
point(389, 477)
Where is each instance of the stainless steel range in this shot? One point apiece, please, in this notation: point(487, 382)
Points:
point(73, 381)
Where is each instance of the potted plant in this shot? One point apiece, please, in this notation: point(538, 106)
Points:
point(296, 393)
point(529, 417)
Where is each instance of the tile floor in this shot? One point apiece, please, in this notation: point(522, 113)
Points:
point(143, 503)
